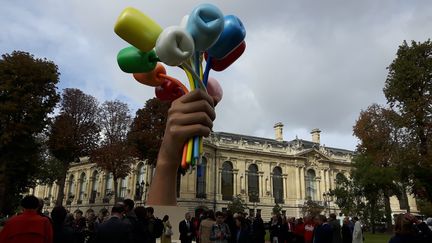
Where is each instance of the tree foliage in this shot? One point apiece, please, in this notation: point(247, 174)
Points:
point(379, 152)
point(115, 120)
point(311, 208)
point(277, 209)
point(237, 205)
point(27, 95)
point(114, 155)
point(115, 158)
point(425, 207)
point(408, 90)
point(374, 182)
point(148, 128)
point(75, 131)
point(348, 196)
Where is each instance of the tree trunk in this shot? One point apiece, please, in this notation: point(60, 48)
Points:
point(3, 183)
point(372, 216)
point(60, 195)
point(61, 185)
point(388, 216)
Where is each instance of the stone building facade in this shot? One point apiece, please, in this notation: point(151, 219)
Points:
point(261, 171)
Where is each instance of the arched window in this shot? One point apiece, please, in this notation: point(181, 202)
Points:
point(140, 181)
point(123, 187)
point(140, 174)
point(227, 181)
point(278, 185)
point(253, 188)
point(93, 193)
point(71, 187)
point(82, 183)
point(50, 186)
point(201, 179)
point(311, 192)
point(108, 184)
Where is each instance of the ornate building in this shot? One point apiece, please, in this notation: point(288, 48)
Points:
point(262, 171)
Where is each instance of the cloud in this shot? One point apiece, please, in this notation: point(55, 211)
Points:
point(309, 64)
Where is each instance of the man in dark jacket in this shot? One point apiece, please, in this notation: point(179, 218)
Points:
point(114, 230)
point(186, 229)
point(323, 231)
point(336, 229)
point(258, 229)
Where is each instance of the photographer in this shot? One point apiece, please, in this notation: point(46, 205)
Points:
point(409, 229)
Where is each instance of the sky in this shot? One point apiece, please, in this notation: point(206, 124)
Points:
point(308, 64)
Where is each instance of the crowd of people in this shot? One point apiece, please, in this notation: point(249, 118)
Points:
point(127, 223)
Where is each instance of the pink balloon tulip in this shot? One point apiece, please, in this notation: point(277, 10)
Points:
point(214, 89)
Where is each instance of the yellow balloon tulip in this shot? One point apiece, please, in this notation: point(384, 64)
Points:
point(137, 29)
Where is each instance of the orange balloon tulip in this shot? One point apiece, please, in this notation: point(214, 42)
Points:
point(152, 78)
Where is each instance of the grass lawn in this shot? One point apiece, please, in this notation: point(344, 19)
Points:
point(369, 237)
point(376, 238)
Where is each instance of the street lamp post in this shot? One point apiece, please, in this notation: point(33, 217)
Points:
point(144, 186)
point(326, 196)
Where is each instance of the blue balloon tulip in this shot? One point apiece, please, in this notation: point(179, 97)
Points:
point(205, 24)
point(233, 34)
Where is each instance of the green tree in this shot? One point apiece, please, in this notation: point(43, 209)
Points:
point(311, 208)
point(28, 93)
point(408, 90)
point(349, 196)
point(74, 133)
point(237, 205)
point(148, 128)
point(425, 207)
point(277, 209)
point(374, 181)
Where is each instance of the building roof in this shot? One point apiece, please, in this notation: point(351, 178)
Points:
point(305, 144)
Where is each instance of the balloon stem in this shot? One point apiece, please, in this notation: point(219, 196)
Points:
point(207, 70)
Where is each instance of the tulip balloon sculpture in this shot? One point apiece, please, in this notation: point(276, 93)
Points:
point(204, 32)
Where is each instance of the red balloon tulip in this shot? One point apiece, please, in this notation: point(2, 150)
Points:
point(221, 64)
point(168, 91)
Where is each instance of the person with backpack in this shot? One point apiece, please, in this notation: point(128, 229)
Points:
point(129, 215)
point(141, 231)
point(155, 226)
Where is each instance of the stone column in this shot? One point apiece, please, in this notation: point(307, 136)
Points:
point(318, 181)
point(302, 182)
point(332, 179)
point(271, 185)
point(326, 185)
point(219, 182)
point(261, 185)
point(322, 181)
point(327, 174)
point(297, 183)
point(285, 187)
point(235, 173)
point(103, 177)
point(246, 183)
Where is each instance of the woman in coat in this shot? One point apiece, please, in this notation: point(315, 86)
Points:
point(167, 233)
